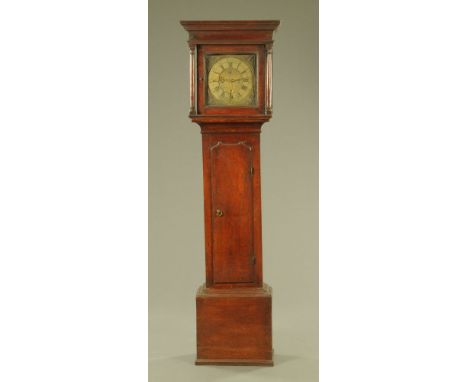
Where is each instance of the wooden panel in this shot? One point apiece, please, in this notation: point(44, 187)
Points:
point(231, 134)
point(234, 327)
point(232, 213)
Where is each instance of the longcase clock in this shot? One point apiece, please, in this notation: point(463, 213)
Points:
point(230, 99)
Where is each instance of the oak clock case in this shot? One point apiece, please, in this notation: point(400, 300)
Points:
point(230, 99)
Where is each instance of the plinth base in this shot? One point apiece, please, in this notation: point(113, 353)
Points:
point(234, 362)
point(234, 326)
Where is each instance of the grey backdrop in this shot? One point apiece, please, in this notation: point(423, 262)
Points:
point(289, 192)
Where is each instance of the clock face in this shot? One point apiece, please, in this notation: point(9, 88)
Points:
point(231, 80)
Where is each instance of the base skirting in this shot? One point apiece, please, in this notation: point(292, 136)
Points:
point(234, 362)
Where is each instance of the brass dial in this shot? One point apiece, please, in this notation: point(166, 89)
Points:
point(231, 81)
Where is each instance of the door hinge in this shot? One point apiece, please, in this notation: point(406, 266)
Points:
point(254, 260)
point(251, 170)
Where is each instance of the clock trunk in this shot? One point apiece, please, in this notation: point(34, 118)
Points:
point(232, 209)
